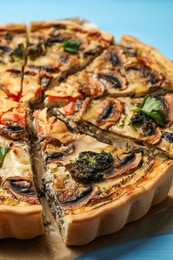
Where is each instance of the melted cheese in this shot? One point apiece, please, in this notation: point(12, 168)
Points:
point(16, 161)
point(87, 143)
point(10, 83)
point(6, 105)
point(50, 127)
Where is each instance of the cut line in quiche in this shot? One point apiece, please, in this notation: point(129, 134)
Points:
point(89, 183)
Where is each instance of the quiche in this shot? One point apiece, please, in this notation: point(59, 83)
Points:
point(99, 114)
point(145, 120)
point(120, 70)
point(89, 183)
point(20, 209)
point(57, 49)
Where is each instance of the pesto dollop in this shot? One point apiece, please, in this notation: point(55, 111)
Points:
point(89, 166)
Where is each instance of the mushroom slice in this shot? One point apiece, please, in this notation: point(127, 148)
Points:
point(128, 165)
point(22, 188)
point(154, 139)
point(168, 100)
point(45, 141)
point(168, 137)
point(103, 113)
point(71, 193)
point(82, 197)
point(112, 80)
point(13, 130)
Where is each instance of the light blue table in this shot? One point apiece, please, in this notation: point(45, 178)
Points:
point(153, 248)
point(152, 22)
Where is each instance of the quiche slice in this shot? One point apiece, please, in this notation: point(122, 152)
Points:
point(20, 209)
point(147, 120)
point(132, 69)
point(13, 39)
point(90, 184)
point(57, 49)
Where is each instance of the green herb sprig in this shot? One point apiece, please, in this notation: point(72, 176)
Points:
point(19, 53)
point(71, 45)
point(154, 109)
point(3, 151)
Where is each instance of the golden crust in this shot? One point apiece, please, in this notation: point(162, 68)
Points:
point(83, 228)
point(70, 23)
point(37, 25)
point(13, 27)
point(21, 222)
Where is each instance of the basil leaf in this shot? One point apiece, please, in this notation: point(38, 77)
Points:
point(153, 108)
point(143, 101)
point(3, 151)
point(71, 45)
point(159, 117)
point(149, 104)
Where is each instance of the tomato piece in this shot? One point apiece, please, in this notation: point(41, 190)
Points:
point(13, 96)
point(18, 115)
point(40, 129)
point(69, 109)
point(39, 91)
point(70, 98)
point(22, 115)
